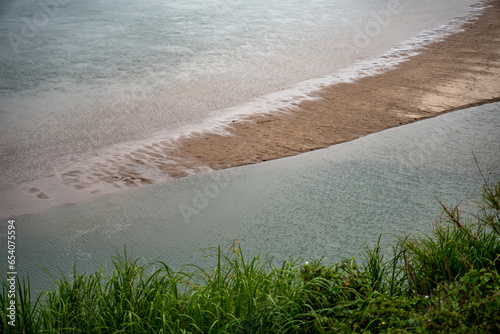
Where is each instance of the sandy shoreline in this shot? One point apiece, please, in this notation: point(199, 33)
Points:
point(461, 71)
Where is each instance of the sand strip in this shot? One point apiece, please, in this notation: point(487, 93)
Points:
point(461, 71)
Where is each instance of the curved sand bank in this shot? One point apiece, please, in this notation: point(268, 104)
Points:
point(461, 71)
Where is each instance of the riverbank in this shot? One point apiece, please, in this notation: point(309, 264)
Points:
point(443, 281)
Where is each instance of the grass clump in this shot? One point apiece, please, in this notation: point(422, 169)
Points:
point(455, 247)
point(446, 281)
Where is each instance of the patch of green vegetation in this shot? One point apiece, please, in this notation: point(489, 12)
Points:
point(446, 281)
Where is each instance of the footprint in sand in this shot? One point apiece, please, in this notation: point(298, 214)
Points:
point(40, 194)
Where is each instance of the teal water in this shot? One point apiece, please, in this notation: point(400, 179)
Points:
point(327, 203)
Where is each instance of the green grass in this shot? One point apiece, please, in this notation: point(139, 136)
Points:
point(446, 281)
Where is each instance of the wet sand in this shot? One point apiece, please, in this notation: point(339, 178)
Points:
point(460, 71)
